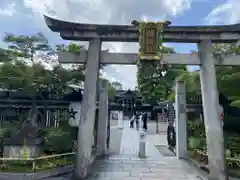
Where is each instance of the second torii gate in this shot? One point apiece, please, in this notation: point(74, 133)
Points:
point(204, 36)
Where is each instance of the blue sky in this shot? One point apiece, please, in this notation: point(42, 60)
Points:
point(25, 17)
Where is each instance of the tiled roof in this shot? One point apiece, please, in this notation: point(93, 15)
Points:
point(126, 92)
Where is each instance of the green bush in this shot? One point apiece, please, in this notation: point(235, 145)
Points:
point(236, 103)
point(5, 133)
point(194, 143)
point(196, 128)
point(57, 141)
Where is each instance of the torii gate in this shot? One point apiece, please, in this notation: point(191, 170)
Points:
point(204, 36)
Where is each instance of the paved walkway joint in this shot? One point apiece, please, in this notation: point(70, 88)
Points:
point(127, 165)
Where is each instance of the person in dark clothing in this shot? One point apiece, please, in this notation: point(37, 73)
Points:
point(137, 120)
point(144, 119)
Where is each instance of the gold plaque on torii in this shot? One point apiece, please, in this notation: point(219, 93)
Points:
point(150, 39)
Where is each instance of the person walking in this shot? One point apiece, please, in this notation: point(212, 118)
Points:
point(132, 120)
point(137, 120)
point(144, 120)
point(140, 119)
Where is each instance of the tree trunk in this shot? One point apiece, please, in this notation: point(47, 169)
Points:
point(32, 116)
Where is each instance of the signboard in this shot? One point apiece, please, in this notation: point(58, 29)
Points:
point(149, 41)
point(142, 144)
point(74, 113)
point(142, 136)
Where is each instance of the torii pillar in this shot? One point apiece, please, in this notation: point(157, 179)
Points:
point(86, 125)
point(181, 120)
point(103, 118)
point(212, 122)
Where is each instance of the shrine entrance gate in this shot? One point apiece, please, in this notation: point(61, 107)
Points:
point(204, 36)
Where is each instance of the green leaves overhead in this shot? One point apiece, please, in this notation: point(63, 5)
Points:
point(112, 88)
point(228, 78)
point(26, 46)
point(153, 89)
point(155, 81)
point(16, 74)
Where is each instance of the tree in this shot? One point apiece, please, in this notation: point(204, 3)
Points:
point(35, 77)
point(73, 48)
point(192, 81)
point(4, 56)
point(228, 77)
point(25, 48)
point(75, 74)
point(155, 81)
point(117, 85)
point(111, 92)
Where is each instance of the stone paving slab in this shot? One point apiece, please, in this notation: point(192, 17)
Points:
point(124, 168)
point(130, 144)
point(128, 166)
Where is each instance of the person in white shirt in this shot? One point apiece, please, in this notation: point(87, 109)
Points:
point(132, 120)
point(140, 119)
point(137, 120)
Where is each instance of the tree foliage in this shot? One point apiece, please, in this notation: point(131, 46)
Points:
point(227, 77)
point(155, 81)
point(26, 46)
point(25, 73)
point(112, 88)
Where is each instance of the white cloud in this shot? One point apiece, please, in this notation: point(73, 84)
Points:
point(111, 11)
point(8, 10)
point(227, 13)
point(108, 76)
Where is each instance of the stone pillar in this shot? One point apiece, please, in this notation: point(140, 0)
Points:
point(142, 144)
point(171, 113)
point(212, 122)
point(120, 119)
point(86, 125)
point(181, 120)
point(103, 118)
point(108, 130)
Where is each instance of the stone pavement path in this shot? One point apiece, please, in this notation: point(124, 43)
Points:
point(127, 165)
point(127, 168)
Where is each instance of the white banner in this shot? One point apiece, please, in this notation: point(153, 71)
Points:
point(74, 113)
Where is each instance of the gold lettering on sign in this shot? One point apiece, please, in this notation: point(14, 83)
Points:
point(150, 35)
